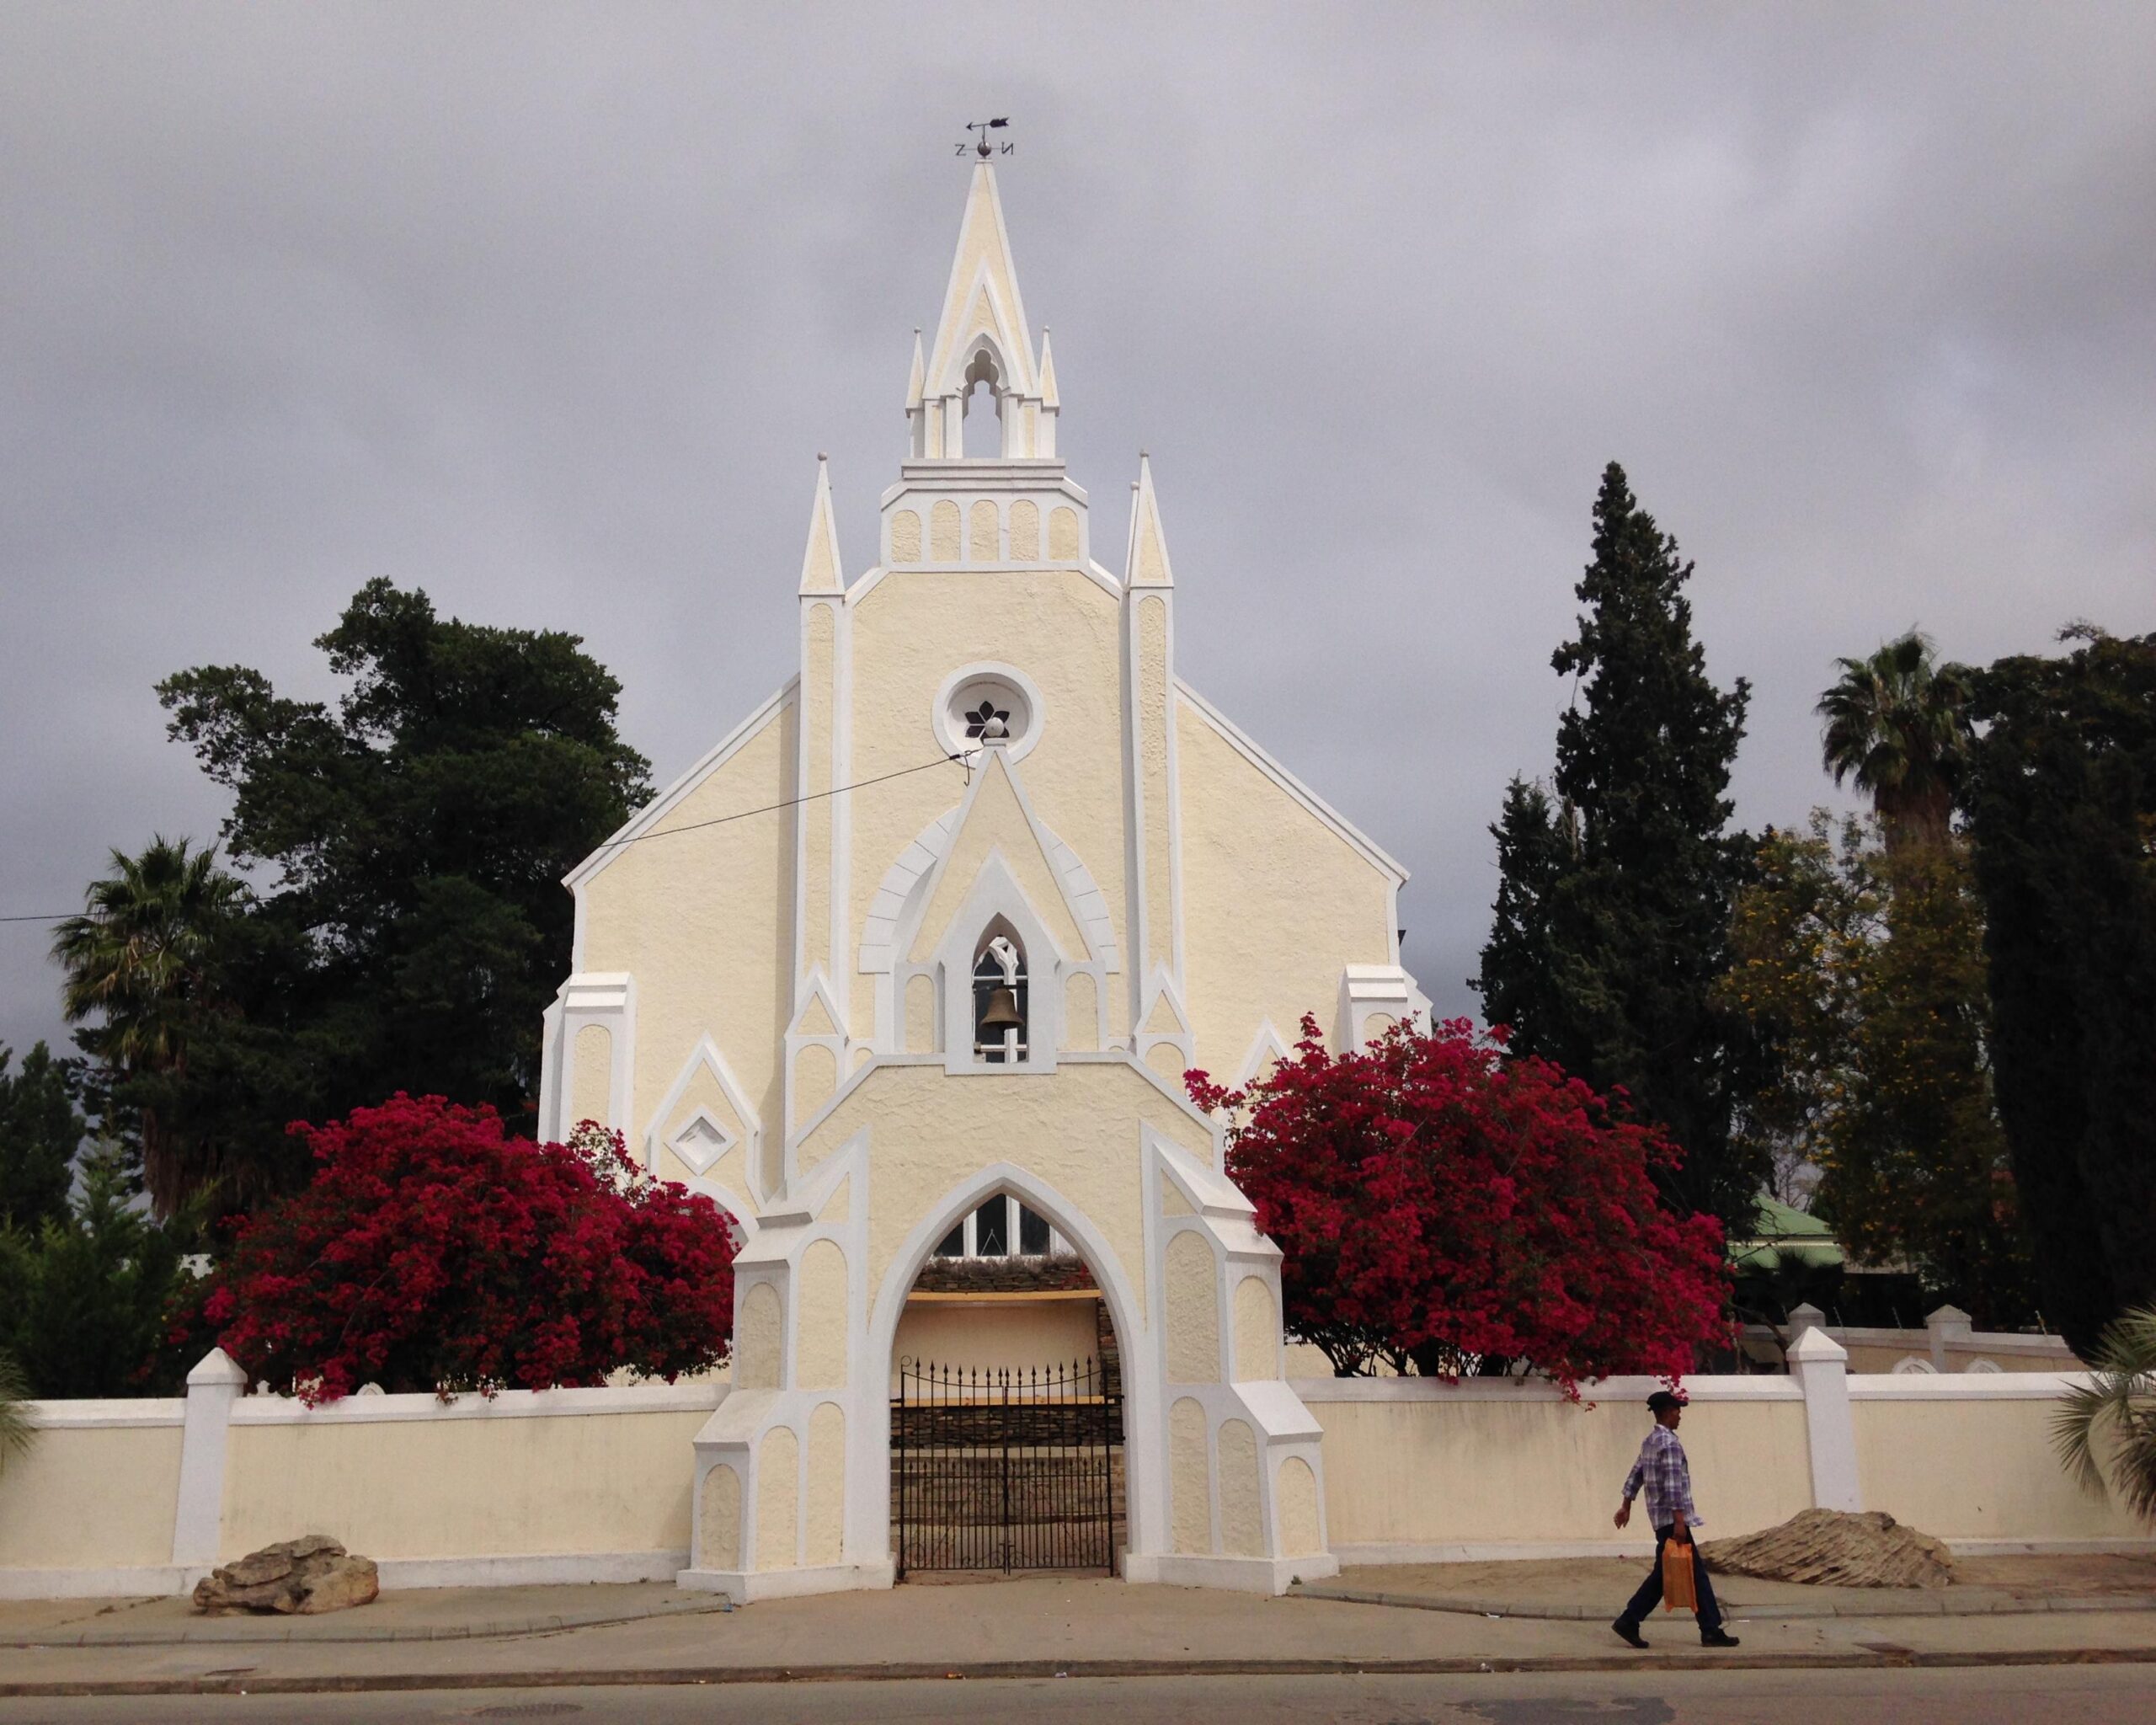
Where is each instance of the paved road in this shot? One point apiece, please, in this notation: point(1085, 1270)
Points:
point(2102, 1695)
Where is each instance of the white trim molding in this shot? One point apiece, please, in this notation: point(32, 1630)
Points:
point(608, 999)
point(641, 824)
point(1240, 741)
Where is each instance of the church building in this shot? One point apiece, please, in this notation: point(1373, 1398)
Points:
point(905, 973)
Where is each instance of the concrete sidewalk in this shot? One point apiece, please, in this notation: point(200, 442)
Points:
point(1562, 1590)
point(1592, 1589)
point(451, 1639)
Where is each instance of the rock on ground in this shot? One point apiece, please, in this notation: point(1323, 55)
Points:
point(1834, 1548)
point(303, 1576)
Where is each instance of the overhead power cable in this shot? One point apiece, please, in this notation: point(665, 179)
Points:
point(773, 808)
point(692, 827)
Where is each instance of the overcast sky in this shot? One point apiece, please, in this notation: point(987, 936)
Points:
point(548, 310)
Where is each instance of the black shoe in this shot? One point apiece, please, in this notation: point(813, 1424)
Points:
point(1629, 1633)
point(1716, 1638)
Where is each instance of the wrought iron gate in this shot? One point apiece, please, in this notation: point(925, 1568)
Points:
point(1005, 1470)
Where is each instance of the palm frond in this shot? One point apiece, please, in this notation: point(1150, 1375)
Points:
point(16, 1431)
point(1897, 723)
point(2114, 1409)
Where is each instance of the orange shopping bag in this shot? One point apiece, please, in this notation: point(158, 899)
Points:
point(1678, 1593)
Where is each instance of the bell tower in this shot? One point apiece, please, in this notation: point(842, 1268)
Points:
point(979, 394)
point(981, 486)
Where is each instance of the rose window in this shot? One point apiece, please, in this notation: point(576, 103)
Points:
point(981, 704)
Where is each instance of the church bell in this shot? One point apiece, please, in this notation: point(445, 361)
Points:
point(1002, 1014)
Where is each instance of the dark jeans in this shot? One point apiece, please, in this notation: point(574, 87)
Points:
point(1650, 1593)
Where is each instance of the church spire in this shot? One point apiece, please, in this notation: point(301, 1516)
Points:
point(819, 562)
point(981, 352)
point(1146, 564)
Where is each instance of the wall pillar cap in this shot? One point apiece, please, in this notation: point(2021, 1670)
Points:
point(1806, 1317)
point(1815, 1347)
point(217, 1367)
point(1946, 1317)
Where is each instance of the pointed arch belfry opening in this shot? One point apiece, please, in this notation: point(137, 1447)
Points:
point(981, 396)
point(1001, 995)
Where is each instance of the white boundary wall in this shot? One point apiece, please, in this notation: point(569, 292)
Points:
point(1947, 1343)
point(142, 1496)
point(1420, 1471)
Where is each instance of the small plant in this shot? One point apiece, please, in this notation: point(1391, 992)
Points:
point(16, 1431)
point(2119, 1403)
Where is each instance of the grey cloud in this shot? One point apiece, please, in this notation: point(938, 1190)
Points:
point(549, 309)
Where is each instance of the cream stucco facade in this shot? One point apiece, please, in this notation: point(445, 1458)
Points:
point(986, 770)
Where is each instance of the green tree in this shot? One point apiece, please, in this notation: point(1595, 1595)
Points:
point(40, 1131)
point(137, 964)
point(84, 1297)
point(1916, 1162)
point(1897, 724)
point(2061, 809)
point(1861, 967)
point(1538, 843)
point(1798, 932)
point(416, 833)
point(1614, 910)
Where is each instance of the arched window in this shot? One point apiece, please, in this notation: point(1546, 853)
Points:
point(1000, 984)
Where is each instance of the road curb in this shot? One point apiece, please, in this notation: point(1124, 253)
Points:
point(272, 1632)
point(1930, 1605)
point(1007, 1670)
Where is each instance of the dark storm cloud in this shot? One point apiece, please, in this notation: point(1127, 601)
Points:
point(549, 310)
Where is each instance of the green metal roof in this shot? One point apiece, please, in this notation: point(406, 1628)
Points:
point(1785, 1234)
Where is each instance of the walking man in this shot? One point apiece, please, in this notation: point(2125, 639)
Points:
point(1663, 1469)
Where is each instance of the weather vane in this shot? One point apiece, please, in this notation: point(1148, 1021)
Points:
point(981, 147)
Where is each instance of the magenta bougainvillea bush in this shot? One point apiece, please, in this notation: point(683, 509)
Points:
point(1440, 1206)
point(433, 1250)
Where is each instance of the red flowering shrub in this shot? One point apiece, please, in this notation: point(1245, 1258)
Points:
point(434, 1251)
point(1439, 1205)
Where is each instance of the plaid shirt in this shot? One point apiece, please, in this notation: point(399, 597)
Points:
point(1662, 1469)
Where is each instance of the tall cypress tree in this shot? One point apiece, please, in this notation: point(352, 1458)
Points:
point(1613, 911)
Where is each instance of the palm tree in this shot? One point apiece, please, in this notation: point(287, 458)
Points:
point(16, 1431)
point(138, 960)
point(2119, 1402)
point(1897, 723)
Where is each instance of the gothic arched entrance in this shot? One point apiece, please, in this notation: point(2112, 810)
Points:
point(1223, 1477)
point(1006, 1430)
